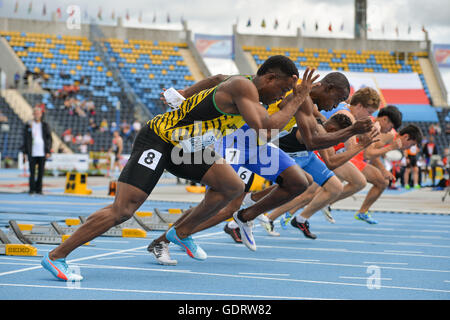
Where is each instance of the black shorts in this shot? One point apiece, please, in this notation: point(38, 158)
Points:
point(412, 161)
point(151, 155)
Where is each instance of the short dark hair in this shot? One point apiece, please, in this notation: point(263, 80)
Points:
point(341, 120)
point(393, 114)
point(337, 80)
point(278, 63)
point(414, 133)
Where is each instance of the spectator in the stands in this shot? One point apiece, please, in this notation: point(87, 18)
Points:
point(93, 127)
point(16, 80)
point(104, 125)
point(113, 127)
point(67, 135)
point(136, 126)
point(3, 118)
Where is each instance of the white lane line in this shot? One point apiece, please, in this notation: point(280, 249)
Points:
point(362, 278)
point(112, 258)
point(403, 251)
point(265, 274)
point(322, 263)
point(74, 260)
point(97, 256)
point(394, 263)
point(329, 250)
point(209, 294)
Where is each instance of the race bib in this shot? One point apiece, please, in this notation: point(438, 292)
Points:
point(150, 158)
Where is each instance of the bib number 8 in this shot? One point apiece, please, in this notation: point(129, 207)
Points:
point(150, 158)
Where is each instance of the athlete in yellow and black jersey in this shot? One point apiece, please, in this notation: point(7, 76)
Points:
point(198, 120)
point(154, 151)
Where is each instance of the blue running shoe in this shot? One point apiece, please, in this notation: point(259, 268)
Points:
point(284, 220)
point(60, 269)
point(188, 244)
point(365, 217)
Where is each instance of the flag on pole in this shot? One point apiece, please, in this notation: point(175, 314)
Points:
point(396, 30)
point(409, 28)
point(275, 26)
point(330, 27)
point(99, 13)
point(263, 23)
point(113, 15)
point(168, 18)
point(249, 22)
point(342, 27)
point(127, 15)
point(44, 10)
point(154, 17)
point(58, 13)
point(30, 7)
point(140, 17)
point(304, 25)
point(16, 7)
point(423, 29)
point(289, 24)
point(317, 26)
point(382, 28)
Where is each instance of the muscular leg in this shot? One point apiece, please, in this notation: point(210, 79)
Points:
point(329, 191)
point(295, 204)
point(294, 182)
point(356, 181)
point(225, 185)
point(128, 200)
point(406, 175)
point(374, 176)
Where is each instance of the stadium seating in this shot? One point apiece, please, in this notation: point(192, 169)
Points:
point(346, 60)
point(11, 132)
point(68, 61)
point(149, 66)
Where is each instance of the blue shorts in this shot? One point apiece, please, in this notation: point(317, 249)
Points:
point(241, 150)
point(308, 161)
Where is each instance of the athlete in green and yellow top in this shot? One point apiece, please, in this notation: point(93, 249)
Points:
point(238, 99)
point(210, 112)
point(197, 117)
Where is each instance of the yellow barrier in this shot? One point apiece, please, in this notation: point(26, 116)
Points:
point(76, 183)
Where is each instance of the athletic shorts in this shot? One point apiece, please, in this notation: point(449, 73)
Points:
point(308, 161)
point(358, 161)
point(151, 155)
point(244, 154)
point(412, 161)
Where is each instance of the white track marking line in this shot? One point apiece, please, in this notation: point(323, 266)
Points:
point(164, 292)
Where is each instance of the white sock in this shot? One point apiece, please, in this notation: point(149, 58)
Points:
point(247, 202)
point(300, 219)
point(233, 225)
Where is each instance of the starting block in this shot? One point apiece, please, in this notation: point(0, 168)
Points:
point(46, 234)
point(170, 217)
point(11, 246)
point(126, 229)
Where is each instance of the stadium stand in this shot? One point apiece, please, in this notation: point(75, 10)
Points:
point(11, 128)
point(73, 74)
point(149, 66)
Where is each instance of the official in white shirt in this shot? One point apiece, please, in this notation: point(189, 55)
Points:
point(37, 148)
